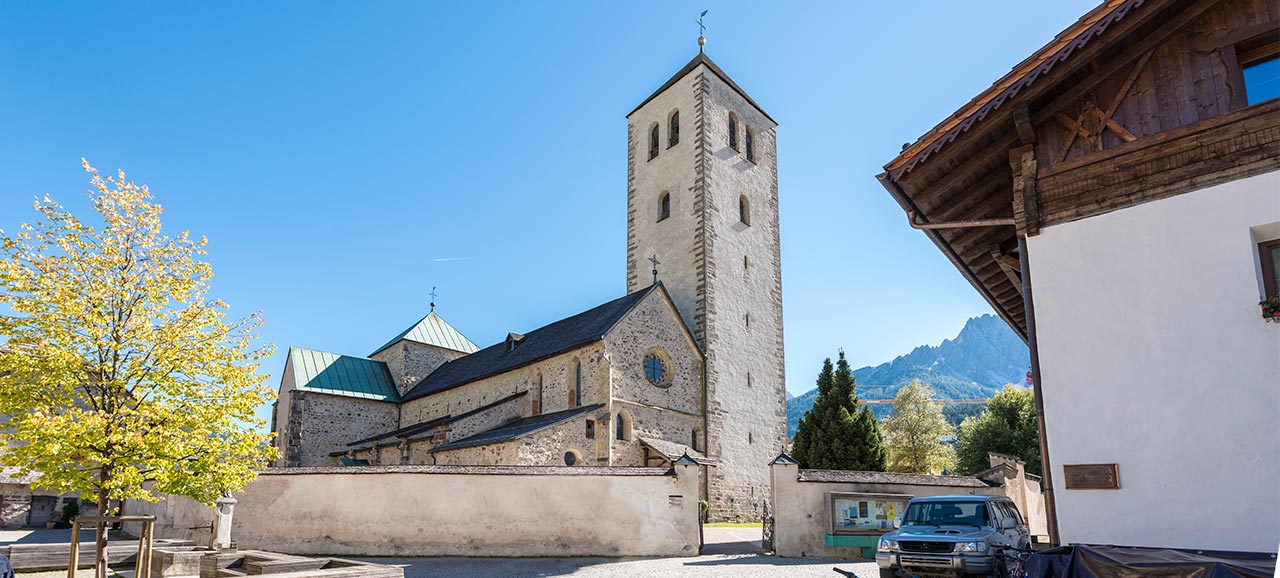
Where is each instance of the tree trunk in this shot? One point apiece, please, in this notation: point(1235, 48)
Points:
point(100, 550)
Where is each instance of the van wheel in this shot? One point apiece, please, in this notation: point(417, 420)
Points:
point(888, 573)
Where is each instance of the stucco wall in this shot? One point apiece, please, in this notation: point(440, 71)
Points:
point(802, 513)
point(1153, 356)
point(443, 511)
point(746, 399)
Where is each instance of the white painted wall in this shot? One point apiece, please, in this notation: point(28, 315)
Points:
point(1154, 356)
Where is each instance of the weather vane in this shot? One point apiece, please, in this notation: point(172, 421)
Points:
point(433, 298)
point(656, 262)
point(702, 31)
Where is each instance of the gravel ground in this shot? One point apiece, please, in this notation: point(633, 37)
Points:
point(737, 566)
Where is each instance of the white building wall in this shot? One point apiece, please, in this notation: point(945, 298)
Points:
point(1154, 356)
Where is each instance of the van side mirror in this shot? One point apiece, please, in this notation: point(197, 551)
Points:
point(897, 522)
point(1008, 524)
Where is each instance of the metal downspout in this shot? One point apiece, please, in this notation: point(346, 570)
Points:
point(1050, 506)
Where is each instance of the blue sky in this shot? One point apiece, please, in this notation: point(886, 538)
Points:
point(343, 158)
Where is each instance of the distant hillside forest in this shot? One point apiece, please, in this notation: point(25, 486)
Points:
point(985, 356)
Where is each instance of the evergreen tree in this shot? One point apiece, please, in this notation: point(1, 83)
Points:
point(914, 432)
point(836, 434)
point(1007, 427)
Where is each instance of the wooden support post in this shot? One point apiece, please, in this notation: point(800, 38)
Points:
point(1022, 122)
point(75, 548)
point(1026, 209)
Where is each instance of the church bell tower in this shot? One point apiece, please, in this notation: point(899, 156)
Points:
point(702, 197)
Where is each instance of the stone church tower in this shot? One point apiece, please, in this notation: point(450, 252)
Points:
point(702, 197)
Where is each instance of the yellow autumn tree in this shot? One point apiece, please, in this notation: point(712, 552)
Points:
point(121, 377)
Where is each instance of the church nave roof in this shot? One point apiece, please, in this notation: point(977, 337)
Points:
point(518, 429)
point(547, 341)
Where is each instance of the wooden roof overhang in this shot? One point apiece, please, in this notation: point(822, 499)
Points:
point(963, 169)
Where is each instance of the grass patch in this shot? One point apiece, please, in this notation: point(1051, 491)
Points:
point(735, 525)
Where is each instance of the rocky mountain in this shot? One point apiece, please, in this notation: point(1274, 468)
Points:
point(985, 356)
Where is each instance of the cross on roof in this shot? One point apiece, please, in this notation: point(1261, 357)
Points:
point(433, 298)
point(656, 262)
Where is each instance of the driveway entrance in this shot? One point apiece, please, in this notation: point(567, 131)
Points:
point(731, 540)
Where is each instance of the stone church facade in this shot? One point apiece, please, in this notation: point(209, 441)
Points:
point(688, 362)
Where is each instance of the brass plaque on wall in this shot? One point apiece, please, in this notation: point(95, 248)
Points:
point(1091, 477)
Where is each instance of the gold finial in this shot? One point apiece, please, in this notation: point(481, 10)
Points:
point(702, 31)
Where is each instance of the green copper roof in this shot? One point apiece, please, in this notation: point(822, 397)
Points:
point(323, 372)
point(432, 330)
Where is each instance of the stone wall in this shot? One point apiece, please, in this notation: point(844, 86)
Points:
point(557, 377)
point(457, 511)
point(410, 361)
point(725, 275)
point(548, 447)
point(15, 505)
point(503, 454)
point(327, 423)
point(671, 413)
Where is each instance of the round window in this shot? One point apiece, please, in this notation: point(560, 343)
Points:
point(655, 370)
point(570, 458)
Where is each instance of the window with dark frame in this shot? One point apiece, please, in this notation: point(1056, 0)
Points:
point(751, 144)
point(664, 207)
point(1269, 255)
point(577, 384)
point(654, 140)
point(1259, 59)
point(673, 129)
point(591, 429)
point(694, 440)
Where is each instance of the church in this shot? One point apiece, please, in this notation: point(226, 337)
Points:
point(686, 363)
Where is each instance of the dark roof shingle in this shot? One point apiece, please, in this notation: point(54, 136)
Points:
point(517, 429)
point(702, 58)
point(556, 338)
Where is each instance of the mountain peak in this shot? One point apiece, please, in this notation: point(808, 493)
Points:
point(980, 360)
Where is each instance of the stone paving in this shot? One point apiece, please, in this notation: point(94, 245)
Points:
point(716, 565)
point(728, 552)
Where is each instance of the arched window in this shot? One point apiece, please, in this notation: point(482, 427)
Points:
point(733, 131)
point(673, 129)
point(575, 394)
point(653, 141)
point(744, 210)
point(664, 206)
point(751, 144)
point(622, 426)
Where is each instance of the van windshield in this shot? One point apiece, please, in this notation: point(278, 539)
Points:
point(945, 513)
